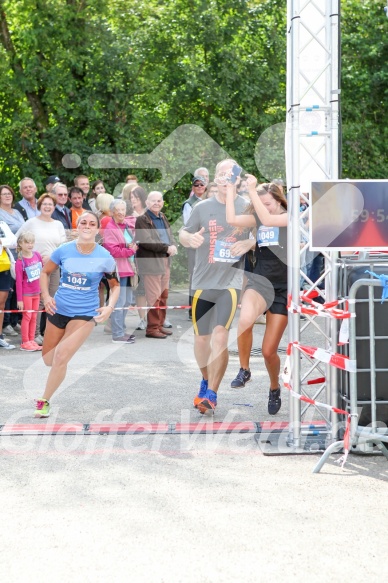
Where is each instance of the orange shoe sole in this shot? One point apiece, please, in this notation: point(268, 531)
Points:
point(206, 406)
point(197, 401)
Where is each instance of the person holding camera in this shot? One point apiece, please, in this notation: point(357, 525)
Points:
point(266, 290)
point(217, 281)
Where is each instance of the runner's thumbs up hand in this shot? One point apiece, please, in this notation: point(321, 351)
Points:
point(197, 238)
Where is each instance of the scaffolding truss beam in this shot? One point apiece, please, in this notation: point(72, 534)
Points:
point(312, 153)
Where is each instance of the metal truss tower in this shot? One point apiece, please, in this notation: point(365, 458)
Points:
point(312, 153)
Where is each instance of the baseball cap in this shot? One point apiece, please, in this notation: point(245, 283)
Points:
point(52, 180)
point(199, 179)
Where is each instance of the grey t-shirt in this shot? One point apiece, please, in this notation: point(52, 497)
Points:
point(214, 267)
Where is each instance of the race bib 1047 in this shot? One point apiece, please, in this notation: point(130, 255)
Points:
point(79, 281)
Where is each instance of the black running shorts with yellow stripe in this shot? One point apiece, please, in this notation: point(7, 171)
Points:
point(213, 307)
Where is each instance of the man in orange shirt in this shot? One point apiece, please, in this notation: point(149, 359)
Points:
point(82, 182)
point(76, 209)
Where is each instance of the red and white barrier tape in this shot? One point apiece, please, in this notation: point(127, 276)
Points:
point(116, 309)
point(317, 381)
point(327, 310)
point(332, 359)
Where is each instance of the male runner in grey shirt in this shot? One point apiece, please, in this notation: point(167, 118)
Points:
point(217, 281)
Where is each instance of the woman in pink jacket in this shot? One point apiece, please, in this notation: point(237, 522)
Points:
point(118, 240)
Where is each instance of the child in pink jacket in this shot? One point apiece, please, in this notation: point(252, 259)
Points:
point(28, 267)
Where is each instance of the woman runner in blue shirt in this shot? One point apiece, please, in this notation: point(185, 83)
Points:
point(74, 310)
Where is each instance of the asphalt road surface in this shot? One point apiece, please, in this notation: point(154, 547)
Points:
point(165, 506)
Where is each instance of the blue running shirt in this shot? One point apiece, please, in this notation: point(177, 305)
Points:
point(77, 294)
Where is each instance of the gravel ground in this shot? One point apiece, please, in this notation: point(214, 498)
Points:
point(173, 508)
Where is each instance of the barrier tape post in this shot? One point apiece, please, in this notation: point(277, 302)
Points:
point(336, 360)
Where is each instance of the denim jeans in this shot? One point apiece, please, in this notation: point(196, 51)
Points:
point(118, 316)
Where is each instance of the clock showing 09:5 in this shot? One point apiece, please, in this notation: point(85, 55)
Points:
point(349, 214)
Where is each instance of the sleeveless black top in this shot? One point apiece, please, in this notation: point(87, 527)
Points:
point(271, 253)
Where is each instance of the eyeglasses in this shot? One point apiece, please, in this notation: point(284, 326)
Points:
point(199, 185)
point(62, 194)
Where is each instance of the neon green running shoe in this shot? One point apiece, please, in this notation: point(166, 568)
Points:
point(42, 408)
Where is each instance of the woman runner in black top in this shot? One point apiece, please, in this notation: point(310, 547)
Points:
point(266, 290)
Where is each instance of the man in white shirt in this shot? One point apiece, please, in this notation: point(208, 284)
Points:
point(27, 206)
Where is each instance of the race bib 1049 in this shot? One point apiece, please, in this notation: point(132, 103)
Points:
point(267, 236)
point(223, 253)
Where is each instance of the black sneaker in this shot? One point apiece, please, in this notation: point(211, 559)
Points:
point(274, 401)
point(243, 377)
point(125, 339)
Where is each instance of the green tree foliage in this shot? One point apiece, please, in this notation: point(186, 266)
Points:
point(118, 76)
point(364, 89)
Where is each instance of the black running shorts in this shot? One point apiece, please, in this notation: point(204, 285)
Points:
point(213, 307)
point(60, 321)
point(275, 295)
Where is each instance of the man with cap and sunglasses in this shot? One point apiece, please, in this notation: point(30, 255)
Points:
point(198, 186)
point(51, 180)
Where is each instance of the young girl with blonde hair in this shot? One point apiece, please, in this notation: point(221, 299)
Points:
point(28, 267)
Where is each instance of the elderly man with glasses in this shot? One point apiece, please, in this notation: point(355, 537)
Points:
point(61, 212)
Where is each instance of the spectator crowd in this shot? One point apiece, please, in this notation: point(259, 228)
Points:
point(235, 232)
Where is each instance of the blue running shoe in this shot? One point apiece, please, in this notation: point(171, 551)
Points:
point(201, 394)
point(209, 403)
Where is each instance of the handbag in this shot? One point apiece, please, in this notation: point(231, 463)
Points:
point(13, 263)
point(5, 262)
point(133, 279)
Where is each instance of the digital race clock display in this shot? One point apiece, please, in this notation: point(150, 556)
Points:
point(346, 214)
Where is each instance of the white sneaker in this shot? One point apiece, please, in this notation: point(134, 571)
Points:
point(141, 325)
point(167, 324)
point(4, 344)
point(17, 328)
point(261, 319)
point(9, 331)
point(39, 340)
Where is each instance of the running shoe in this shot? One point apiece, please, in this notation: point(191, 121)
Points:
point(4, 344)
point(274, 401)
point(208, 404)
point(167, 324)
point(201, 394)
point(30, 346)
point(42, 408)
point(37, 347)
point(9, 331)
point(17, 328)
point(243, 377)
point(39, 340)
point(141, 325)
point(125, 339)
